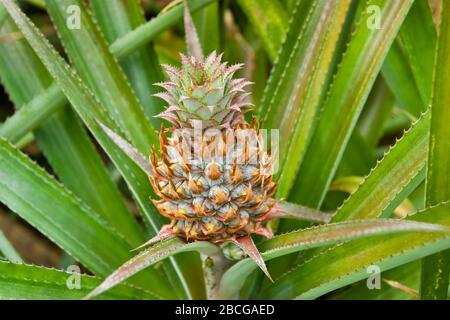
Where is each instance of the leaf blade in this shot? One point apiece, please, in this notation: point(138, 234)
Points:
point(298, 80)
point(90, 110)
point(142, 67)
point(400, 166)
point(436, 269)
point(53, 209)
point(26, 282)
point(308, 238)
point(141, 35)
point(366, 51)
point(123, 47)
point(346, 263)
point(159, 251)
point(90, 56)
point(270, 22)
point(61, 136)
point(8, 250)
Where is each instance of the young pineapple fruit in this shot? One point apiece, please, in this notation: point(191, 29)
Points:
point(213, 176)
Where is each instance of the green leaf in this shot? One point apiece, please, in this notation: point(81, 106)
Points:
point(323, 235)
point(296, 211)
point(208, 22)
point(298, 80)
point(31, 115)
point(351, 184)
point(409, 66)
point(95, 64)
point(3, 15)
point(25, 282)
point(131, 41)
point(129, 150)
point(418, 38)
point(408, 275)
point(348, 93)
point(269, 19)
point(347, 263)
point(8, 250)
point(64, 219)
point(394, 177)
point(378, 109)
point(159, 251)
point(90, 110)
point(358, 157)
point(187, 265)
point(61, 136)
point(398, 75)
point(371, 199)
point(392, 180)
point(290, 4)
point(438, 179)
point(124, 46)
point(142, 67)
point(436, 269)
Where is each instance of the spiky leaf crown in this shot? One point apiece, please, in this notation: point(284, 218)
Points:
point(204, 91)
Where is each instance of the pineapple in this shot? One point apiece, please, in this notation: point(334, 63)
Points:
point(213, 176)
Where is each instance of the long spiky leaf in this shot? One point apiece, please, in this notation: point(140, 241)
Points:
point(436, 269)
point(322, 235)
point(159, 251)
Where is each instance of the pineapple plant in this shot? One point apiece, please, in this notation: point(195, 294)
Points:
point(356, 177)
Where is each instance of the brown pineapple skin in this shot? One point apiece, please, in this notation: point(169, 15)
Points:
point(221, 191)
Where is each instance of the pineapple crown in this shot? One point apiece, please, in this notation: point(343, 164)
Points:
point(204, 92)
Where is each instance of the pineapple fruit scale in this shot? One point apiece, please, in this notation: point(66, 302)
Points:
point(213, 176)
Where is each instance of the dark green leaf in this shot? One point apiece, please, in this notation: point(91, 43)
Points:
point(20, 282)
point(89, 53)
point(409, 64)
point(349, 91)
point(64, 219)
point(142, 67)
point(297, 82)
point(141, 35)
point(436, 269)
point(386, 186)
point(63, 139)
point(157, 252)
point(269, 19)
point(347, 263)
point(208, 22)
point(315, 237)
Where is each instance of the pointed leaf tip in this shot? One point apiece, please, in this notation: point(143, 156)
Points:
point(146, 258)
point(246, 243)
point(285, 209)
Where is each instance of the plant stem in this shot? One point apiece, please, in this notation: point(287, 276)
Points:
point(214, 266)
